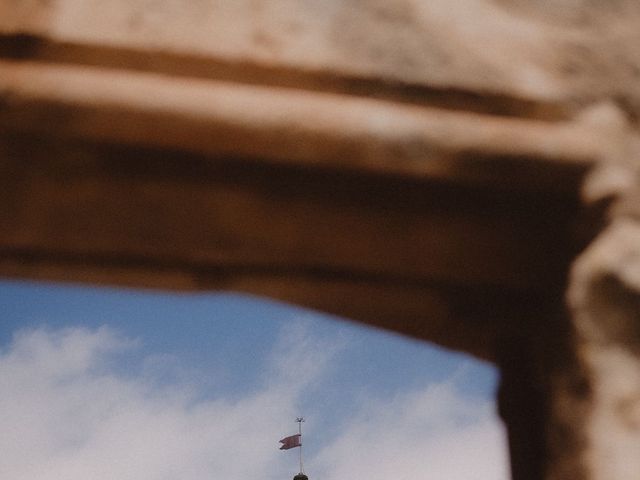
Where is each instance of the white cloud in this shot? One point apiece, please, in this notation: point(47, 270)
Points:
point(298, 360)
point(434, 434)
point(63, 417)
point(64, 414)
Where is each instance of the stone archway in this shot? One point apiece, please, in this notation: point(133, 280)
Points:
point(420, 170)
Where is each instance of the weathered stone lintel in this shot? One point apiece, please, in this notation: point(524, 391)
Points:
point(311, 128)
point(325, 238)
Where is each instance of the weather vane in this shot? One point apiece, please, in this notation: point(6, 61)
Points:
point(295, 441)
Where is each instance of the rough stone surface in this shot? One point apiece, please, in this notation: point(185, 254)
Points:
point(572, 51)
point(605, 297)
point(605, 301)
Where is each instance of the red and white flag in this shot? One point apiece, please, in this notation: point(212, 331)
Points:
point(290, 442)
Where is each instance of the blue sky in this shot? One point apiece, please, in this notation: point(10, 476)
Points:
point(189, 375)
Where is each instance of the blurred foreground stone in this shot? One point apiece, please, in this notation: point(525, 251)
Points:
point(447, 170)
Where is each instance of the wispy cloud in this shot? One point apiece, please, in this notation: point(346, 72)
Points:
point(65, 414)
point(298, 360)
point(64, 417)
point(435, 433)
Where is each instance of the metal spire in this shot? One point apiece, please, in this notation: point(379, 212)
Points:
point(300, 420)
